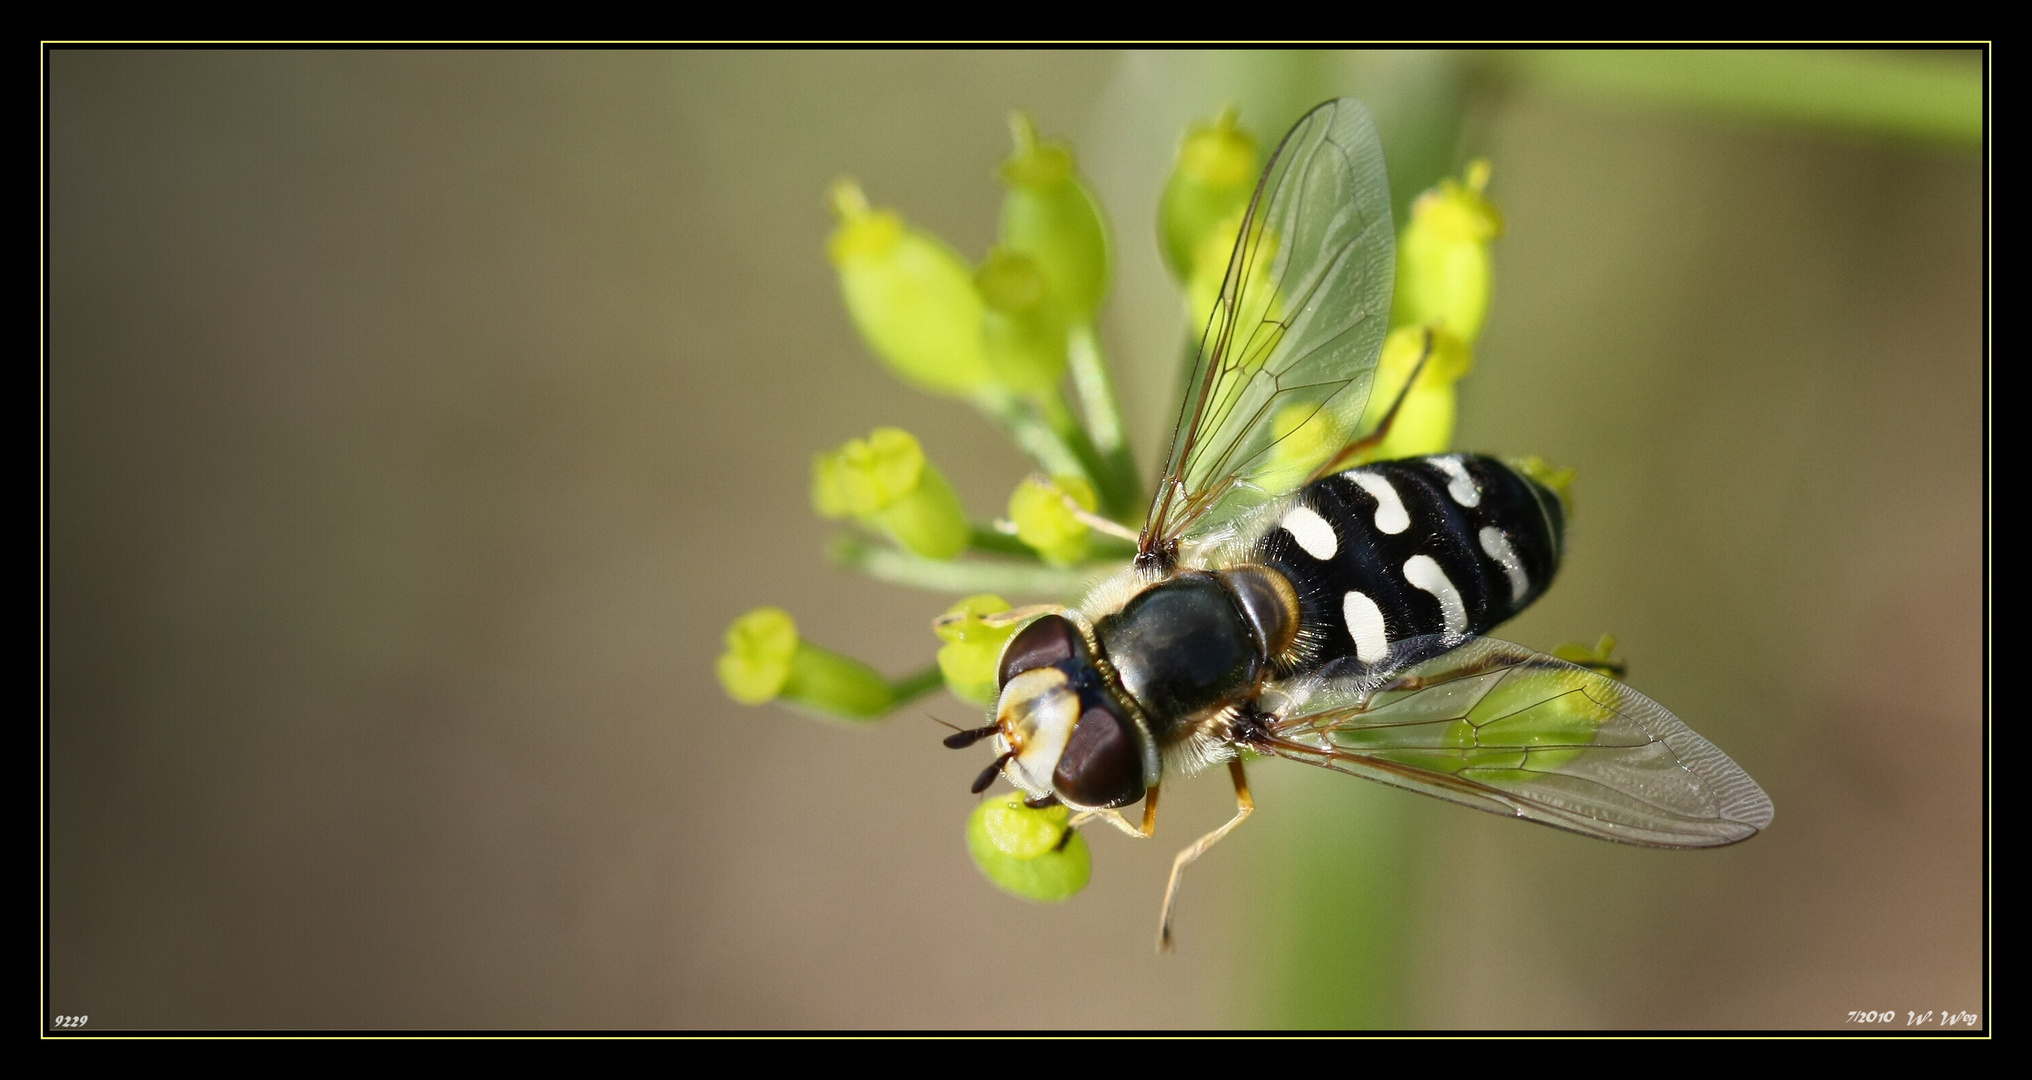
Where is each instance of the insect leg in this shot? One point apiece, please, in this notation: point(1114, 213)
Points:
point(1115, 818)
point(1003, 618)
point(1245, 804)
point(1599, 657)
point(1016, 615)
point(1375, 438)
point(1098, 523)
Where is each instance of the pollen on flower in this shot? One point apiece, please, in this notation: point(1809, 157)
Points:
point(972, 647)
point(1209, 184)
point(1556, 479)
point(1035, 163)
point(1443, 260)
point(911, 297)
point(1028, 853)
point(863, 233)
point(1046, 523)
point(759, 648)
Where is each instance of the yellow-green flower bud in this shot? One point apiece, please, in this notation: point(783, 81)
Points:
point(1028, 853)
point(1211, 182)
point(972, 648)
point(1306, 435)
point(864, 476)
point(1443, 257)
point(1552, 714)
point(911, 297)
point(1424, 424)
point(1047, 524)
point(1262, 300)
point(1050, 215)
point(1601, 656)
point(832, 495)
point(765, 661)
point(930, 520)
point(1209, 263)
point(1534, 720)
point(1558, 480)
point(1022, 329)
point(886, 482)
point(757, 661)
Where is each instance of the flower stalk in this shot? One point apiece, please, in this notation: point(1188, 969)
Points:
point(766, 660)
point(962, 576)
point(1120, 488)
point(1007, 335)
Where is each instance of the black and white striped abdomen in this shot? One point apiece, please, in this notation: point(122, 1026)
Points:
point(1452, 544)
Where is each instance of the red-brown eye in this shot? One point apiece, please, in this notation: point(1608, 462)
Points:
point(1050, 640)
point(1102, 765)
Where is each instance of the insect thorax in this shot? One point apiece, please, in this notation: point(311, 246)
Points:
point(1341, 572)
point(1184, 646)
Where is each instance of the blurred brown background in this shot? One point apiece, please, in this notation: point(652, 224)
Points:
point(418, 420)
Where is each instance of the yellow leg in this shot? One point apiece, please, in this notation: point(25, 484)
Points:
point(1100, 524)
point(1244, 806)
point(1003, 618)
point(1375, 438)
point(1115, 818)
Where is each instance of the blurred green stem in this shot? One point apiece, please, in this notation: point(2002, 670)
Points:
point(915, 685)
point(1339, 902)
point(1090, 378)
point(1060, 416)
point(990, 539)
point(1932, 96)
point(960, 576)
point(1033, 431)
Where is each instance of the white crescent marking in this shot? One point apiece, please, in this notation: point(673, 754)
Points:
point(1424, 572)
point(1460, 485)
point(1312, 532)
point(1365, 625)
point(1499, 549)
point(1390, 515)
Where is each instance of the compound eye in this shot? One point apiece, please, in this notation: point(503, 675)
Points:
point(1101, 766)
point(1050, 640)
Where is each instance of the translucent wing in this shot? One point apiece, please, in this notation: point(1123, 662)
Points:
point(1288, 354)
point(1498, 727)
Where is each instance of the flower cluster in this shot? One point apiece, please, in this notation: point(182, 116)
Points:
point(1014, 336)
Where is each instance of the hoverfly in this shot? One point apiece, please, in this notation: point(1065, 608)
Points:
point(1283, 604)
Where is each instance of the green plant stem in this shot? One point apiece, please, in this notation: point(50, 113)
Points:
point(915, 685)
point(1104, 547)
point(836, 685)
point(961, 576)
point(1060, 416)
point(1339, 891)
point(1933, 97)
point(1096, 389)
point(1028, 426)
point(989, 539)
